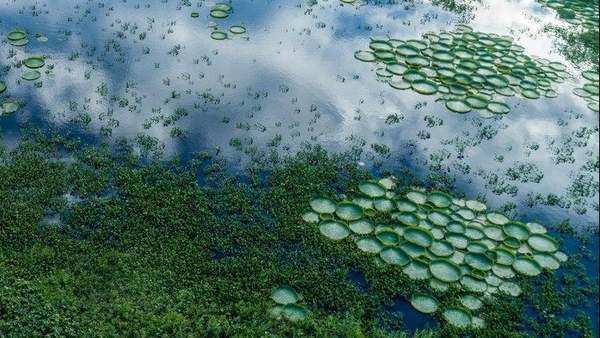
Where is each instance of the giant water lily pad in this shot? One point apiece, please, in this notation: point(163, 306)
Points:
point(542, 243)
point(527, 266)
point(372, 188)
point(323, 205)
point(424, 303)
point(284, 294)
point(31, 75)
point(349, 211)
point(294, 312)
point(393, 255)
point(418, 236)
point(335, 230)
point(445, 270)
point(458, 316)
point(34, 62)
point(10, 107)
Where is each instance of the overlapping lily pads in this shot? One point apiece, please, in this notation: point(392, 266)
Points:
point(590, 89)
point(286, 298)
point(427, 235)
point(467, 69)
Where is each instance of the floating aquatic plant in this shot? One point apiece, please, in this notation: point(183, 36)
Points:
point(447, 241)
point(590, 90)
point(17, 37)
point(467, 69)
point(286, 297)
point(575, 12)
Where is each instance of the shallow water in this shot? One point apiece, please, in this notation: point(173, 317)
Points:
point(145, 67)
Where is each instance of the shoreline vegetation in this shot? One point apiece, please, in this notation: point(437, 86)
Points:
point(98, 241)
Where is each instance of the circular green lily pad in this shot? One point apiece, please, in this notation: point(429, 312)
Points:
point(10, 107)
point(504, 256)
point(546, 260)
point(365, 55)
point(459, 241)
point(18, 43)
point(542, 243)
point(294, 312)
point(441, 248)
point(479, 261)
point(237, 29)
point(424, 303)
point(418, 236)
point(439, 199)
point(388, 236)
point(2, 86)
point(396, 256)
point(590, 75)
point(517, 230)
point(458, 316)
point(438, 217)
point(34, 62)
point(497, 218)
point(372, 188)
point(445, 270)
point(218, 13)
point(348, 211)
point(194, 14)
point(503, 271)
point(218, 35)
point(470, 302)
point(473, 284)
point(323, 205)
point(17, 34)
point(361, 226)
point(369, 244)
point(411, 249)
point(31, 75)
point(417, 269)
point(311, 217)
point(383, 204)
point(510, 288)
point(458, 106)
point(425, 87)
point(334, 229)
point(527, 266)
point(498, 107)
point(284, 294)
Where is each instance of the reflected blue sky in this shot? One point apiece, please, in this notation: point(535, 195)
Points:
point(295, 78)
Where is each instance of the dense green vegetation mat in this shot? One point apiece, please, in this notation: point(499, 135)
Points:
point(98, 242)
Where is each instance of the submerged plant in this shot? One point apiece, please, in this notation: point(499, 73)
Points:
point(446, 241)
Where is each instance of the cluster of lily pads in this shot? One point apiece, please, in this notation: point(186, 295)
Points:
point(18, 37)
point(443, 240)
point(470, 70)
point(576, 12)
point(221, 11)
point(590, 90)
point(286, 306)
